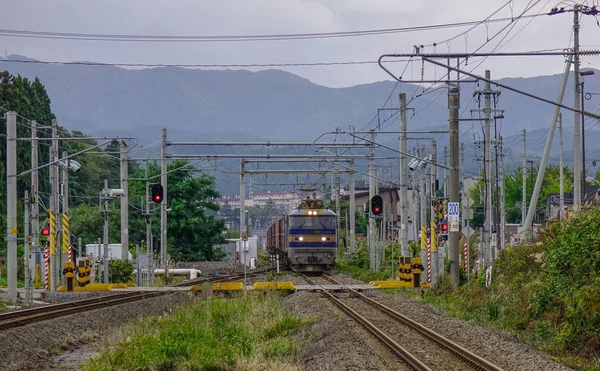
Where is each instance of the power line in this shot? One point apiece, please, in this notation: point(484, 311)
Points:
point(248, 65)
point(235, 38)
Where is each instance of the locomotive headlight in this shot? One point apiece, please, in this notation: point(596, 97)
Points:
point(301, 238)
point(323, 238)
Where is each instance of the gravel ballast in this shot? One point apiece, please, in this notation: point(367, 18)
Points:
point(340, 344)
point(33, 346)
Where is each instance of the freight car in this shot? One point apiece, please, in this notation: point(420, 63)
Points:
point(306, 239)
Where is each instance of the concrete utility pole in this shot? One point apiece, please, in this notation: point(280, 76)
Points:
point(242, 248)
point(576, 117)
point(337, 205)
point(35, 208)
point(423, 194)
point(560, 170)
point(488, 171)
point(11, 204)
point(105, 194)
point(502, 200)
point(403, 172)
point(149, 246)
point(542, 169)
point(372, 185)
point(65, 215)
point(453, 106)
point(124, 170)
point(433, 223)
point(53, 206)
point(445, 175)
point(352, 209)
point(524, 176)
point(26, 250)
point(163, 205)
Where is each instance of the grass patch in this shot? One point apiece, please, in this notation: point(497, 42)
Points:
point(245, 333)
point(546, 293)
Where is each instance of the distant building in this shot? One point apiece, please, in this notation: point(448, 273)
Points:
point(285, 200)
point(592, 196)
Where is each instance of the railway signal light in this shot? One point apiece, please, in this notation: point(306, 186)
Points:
point(376, 205)
point(157, 193)
point(45, 231)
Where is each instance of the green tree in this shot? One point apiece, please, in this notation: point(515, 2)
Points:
point(192, 231)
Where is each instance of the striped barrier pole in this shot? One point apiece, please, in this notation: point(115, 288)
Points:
point(71, 253)
point(65, 236)
point(428, 261)
point(47, 270)
point(466, 257)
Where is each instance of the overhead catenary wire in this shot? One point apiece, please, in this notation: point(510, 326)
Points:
point(236, 38)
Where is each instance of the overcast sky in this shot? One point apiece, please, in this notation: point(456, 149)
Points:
point(242, 17)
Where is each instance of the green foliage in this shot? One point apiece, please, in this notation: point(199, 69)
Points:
point(513, 187)
point(120, 271)
point(193, 228)
point(211, 335)
point(547, 293)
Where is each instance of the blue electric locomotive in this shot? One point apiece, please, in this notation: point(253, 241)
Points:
point(306, 239)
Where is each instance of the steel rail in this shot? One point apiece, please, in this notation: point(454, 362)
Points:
point(442, 341)
point(49, 312)
point(396, 348)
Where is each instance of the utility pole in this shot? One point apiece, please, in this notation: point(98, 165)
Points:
point(35, 208)
point(53, 207)
point(542, 169)
point(149, 246)
point(502, 199)
point(445, 180)
point(560, 170)
point(163, 204)
point(124, 170)
point(453, 106)
point(403, 172)
point(524, 176)
point(422, 192)
point(242, 245)
point(433, 223)
point(105, 195)
point(337, 205)
point(26, 249)
point(576, 117)
point(352, 209)
point(488, 171)
point(65, 214)
point(372, 185)
point(11, 204)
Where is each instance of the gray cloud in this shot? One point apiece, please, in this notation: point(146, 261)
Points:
point(290, 16)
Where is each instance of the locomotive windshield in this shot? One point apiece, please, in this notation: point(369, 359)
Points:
point(325, 221)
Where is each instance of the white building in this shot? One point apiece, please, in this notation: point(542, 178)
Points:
point(287, 200)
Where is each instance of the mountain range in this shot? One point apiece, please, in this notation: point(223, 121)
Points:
point(274, 105)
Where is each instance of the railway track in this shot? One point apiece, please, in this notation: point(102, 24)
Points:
point(458, 353)
point(25, 316)
point(30, 315)
point(223, 278)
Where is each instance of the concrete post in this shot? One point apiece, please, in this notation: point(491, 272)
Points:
point(163, 205)
point(11, 204)
point(453, 106)
point(433, 212)
point(488, 171)
point(576, 118)
point(105, 254)
point(542, 169)
point(124, 170)
point(372, 185)
point(352, 209)
point(403, 172)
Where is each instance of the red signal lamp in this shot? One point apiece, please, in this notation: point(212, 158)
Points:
point(45, 231)
point(377, 210)
point(444, 227)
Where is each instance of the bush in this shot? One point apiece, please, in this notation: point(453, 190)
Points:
point(120, 271)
